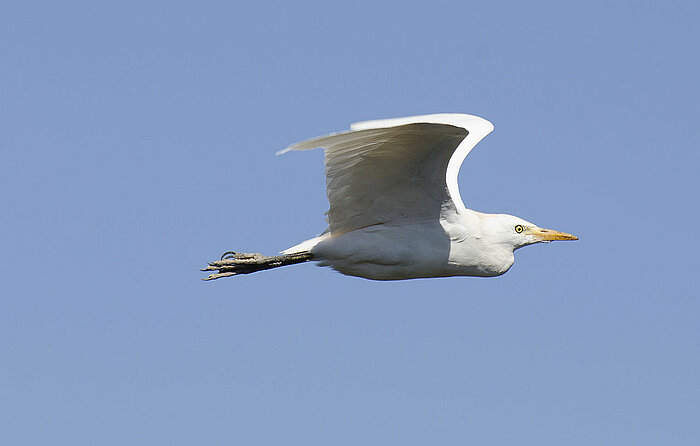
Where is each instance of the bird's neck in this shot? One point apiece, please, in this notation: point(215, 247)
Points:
point(472, 243)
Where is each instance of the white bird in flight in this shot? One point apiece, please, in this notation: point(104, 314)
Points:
point(395, 208)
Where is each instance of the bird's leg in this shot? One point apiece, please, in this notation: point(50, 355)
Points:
point(233, 263)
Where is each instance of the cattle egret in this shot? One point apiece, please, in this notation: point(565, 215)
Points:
point(395, 208)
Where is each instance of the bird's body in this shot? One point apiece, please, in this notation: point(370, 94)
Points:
point(448, 247)
point(395, 207)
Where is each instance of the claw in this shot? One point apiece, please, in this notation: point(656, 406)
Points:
point(218, 276)
point(228, 255)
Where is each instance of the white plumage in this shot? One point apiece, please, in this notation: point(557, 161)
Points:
point(395, 207)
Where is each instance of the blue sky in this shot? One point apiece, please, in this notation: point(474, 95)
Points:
point(137, 142)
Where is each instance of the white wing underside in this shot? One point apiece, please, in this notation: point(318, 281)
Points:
point(395, 170)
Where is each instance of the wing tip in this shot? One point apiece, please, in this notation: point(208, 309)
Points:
point(283, 151)
point(302, 145)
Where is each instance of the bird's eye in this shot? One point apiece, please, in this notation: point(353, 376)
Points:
point(519, 228)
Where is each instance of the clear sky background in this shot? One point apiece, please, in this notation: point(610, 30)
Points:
point(138, 140)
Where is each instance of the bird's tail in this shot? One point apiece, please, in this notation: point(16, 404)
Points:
point(233, 263)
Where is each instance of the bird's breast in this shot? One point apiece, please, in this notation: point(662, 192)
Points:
point(476, 257)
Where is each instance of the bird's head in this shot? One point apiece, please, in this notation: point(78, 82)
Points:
point(516, 232)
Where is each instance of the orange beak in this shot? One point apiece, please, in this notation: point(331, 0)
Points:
point(549, 235)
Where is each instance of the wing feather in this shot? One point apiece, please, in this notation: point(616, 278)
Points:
point(395, 170)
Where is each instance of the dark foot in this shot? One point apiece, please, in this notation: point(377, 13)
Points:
point(232, 263)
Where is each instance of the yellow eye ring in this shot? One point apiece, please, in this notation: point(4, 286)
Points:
point(519, 228)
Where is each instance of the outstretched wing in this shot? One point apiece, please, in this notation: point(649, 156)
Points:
point(395, 170)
